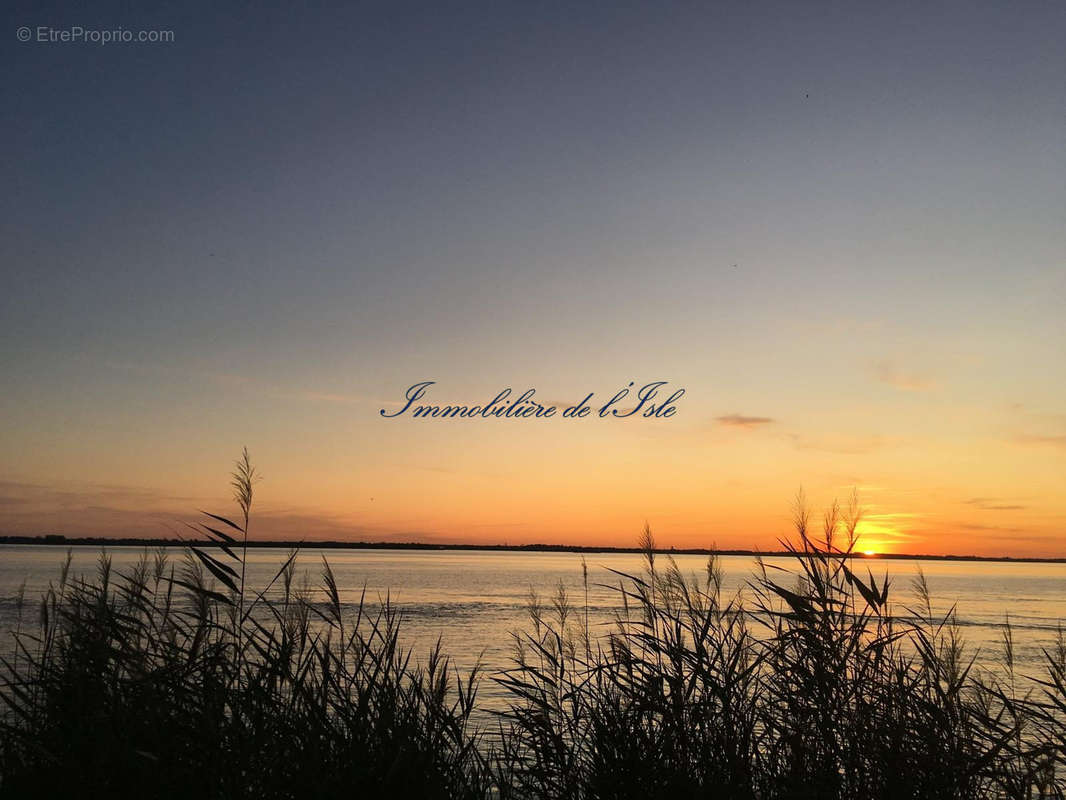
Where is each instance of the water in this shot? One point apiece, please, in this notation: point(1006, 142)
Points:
point(473, 600)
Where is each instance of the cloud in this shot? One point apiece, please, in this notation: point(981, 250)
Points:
point(231, 380)
point(1036, 539)
point(331, 397)
point(742, 421)
point(118, 512)
point(976, 526)
point(82, 495)
point(991, 504)
point(222, 378)
point(888, 372)
point(1052, 441)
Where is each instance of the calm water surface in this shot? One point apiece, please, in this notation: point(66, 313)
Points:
point(474, 600)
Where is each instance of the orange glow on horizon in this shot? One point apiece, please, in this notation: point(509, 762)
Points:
point(591, 485)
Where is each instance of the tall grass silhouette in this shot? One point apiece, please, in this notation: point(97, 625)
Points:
point(811, 687)
point(179, 679)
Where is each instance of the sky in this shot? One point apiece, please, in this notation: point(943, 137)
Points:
point(839, 227)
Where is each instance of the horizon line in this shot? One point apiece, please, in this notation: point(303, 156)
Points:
point(327, 544)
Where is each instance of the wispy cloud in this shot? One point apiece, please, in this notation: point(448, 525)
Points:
point(907, 380)
point(331, 397)
point(231, 380)
point(890, 527)
point(28, 509)
point(221, 378)
point(1014, 538)
point(743, 421)
point(1049, 441)
point(976, 526)
point(991, 504)
point(79, 495)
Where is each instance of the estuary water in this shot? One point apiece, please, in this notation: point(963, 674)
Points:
point(474, 600)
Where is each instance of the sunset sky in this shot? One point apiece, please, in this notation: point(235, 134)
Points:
point(839, 227)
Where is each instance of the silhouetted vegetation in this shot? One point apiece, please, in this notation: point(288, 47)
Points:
point(177, 679)
point(811, 689)
point(181, 681)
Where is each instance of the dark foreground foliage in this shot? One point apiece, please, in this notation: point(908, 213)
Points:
point(178, 680)
point(813, 689)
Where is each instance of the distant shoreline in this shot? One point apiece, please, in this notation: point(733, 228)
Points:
point(99, 541)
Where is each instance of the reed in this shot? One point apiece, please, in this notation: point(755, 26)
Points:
point(813, 688)
point(179, 680)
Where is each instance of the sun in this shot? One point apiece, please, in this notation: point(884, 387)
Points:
point(869, 552)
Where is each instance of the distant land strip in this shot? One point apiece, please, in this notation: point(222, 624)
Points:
point(101, 541)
